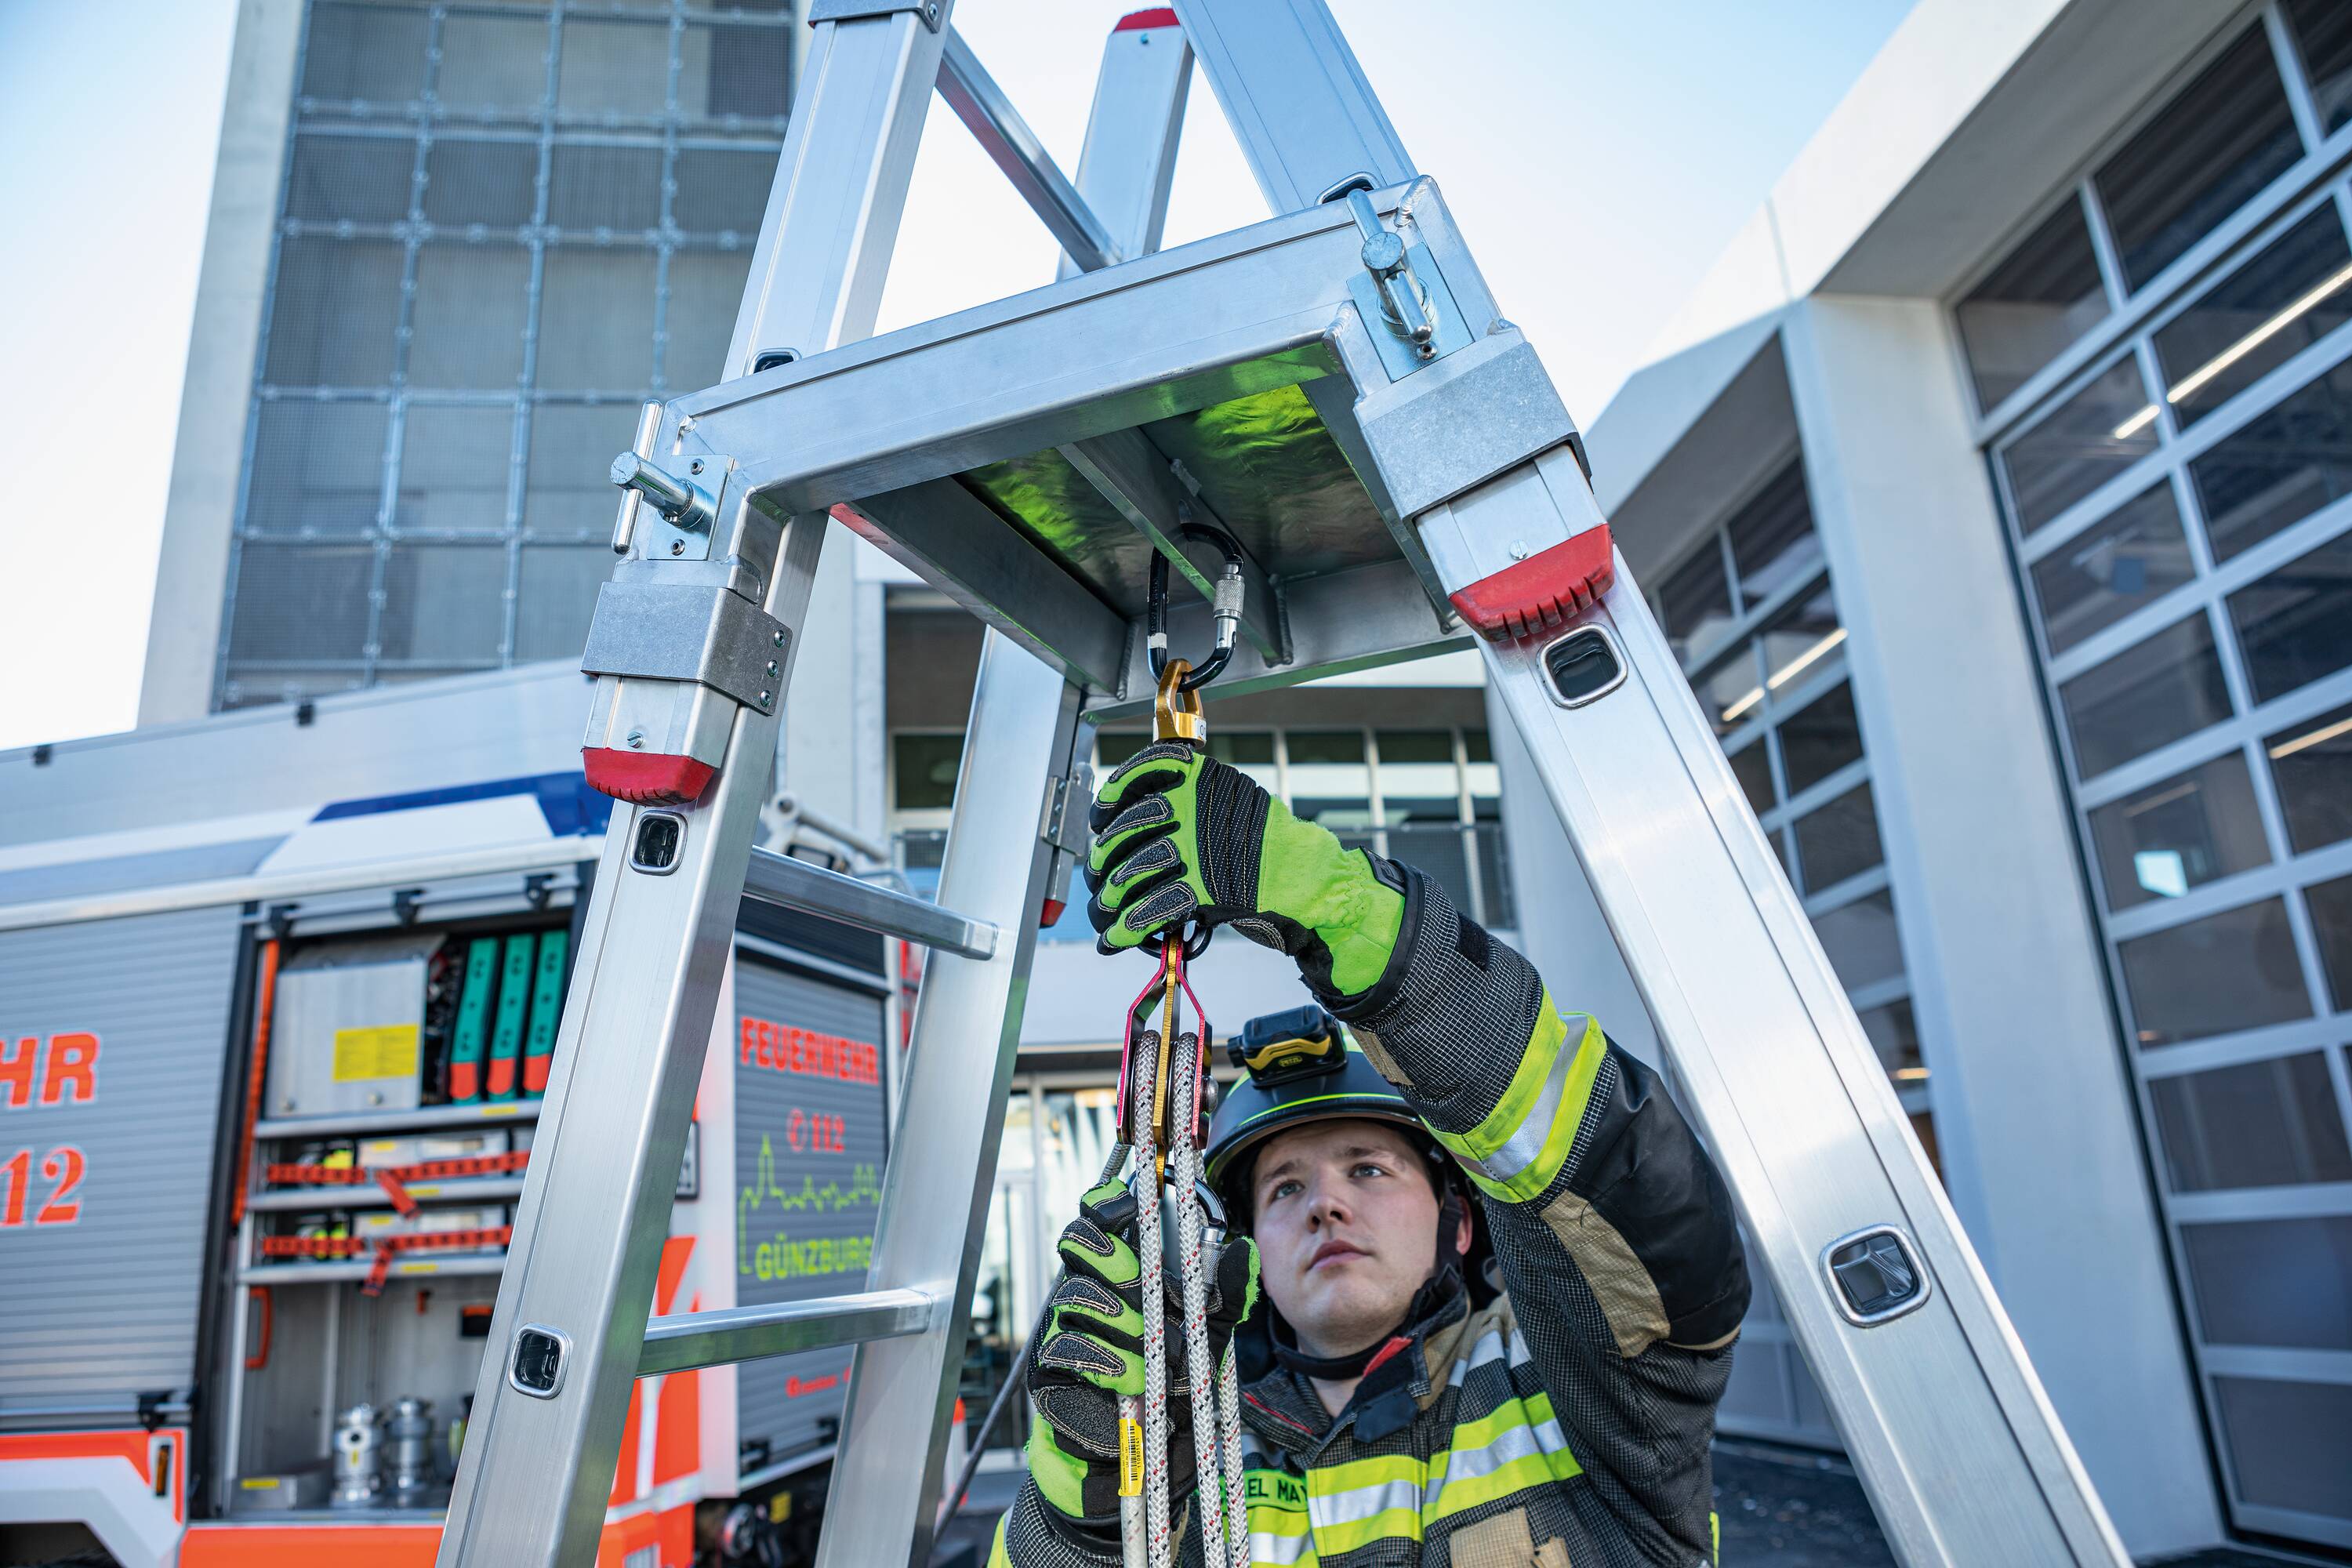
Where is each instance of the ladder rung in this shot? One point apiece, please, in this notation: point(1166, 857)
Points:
point(688, 1339)
point(792, 884)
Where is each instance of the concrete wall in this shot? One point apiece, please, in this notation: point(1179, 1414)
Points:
point(2033, 1109)
point(191, 575)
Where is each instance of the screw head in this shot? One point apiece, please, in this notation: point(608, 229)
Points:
point(695, 467)
point(772, 668)
point(763, 698)
point(1518, 550)
point(637, 739)
point(678, 547)
point(777, 637)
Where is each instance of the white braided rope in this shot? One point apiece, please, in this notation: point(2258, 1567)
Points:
point(1184, 1166)
point(1229, 1438)
point(1143, 1074)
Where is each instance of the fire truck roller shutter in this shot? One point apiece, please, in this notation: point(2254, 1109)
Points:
point(113, 1035)
point(810, 1138)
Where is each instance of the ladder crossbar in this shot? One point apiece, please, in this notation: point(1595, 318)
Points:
point(685, 1341)
point(791, 884)
point(1012, 147)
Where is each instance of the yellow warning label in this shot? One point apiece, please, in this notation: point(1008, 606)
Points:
point(388, 1050)
point(258, 1483)
point(1130, 1456)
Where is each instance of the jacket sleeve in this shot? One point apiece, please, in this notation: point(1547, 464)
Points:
point(1614, 1230)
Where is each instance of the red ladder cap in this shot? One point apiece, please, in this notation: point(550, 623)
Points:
point(1541, 592)
point(1051, 912)
point(1137, 21)
point(644, 778)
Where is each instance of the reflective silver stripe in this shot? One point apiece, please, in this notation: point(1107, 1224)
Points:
point(1527, 1141)
point(1488, 1348)
point(1286, 1550)
point(1357, 1504)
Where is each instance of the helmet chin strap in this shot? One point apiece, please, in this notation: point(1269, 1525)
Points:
point(1439, 1285)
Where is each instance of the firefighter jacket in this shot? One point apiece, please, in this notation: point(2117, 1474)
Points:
point(1566, 1423)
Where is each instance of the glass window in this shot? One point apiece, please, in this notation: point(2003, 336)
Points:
point(2222, 138)
point(365, 52)
point(1772, 538)
point(2147, 696)
point(489, 183)
point(2312, 763)
point(1480, 775)
point(1820, 738)
point(1729, 690)
point(2236, 969)
point(2295, 624)
point(1799, 637)
point(1694, 602)
point(1839, 840)
point(2258, 1124)
point(2284, 299)
point(2281, 467)
point(2331, 924)
point(2322, 35)
point(1894, 1034)
point(354, 179)
point(2043, 296)
point(1112, 750)
point(1330, 783)
point(2180, 833)
point(1418, 779)
point(923, 771)
point(2283, 1282)
point(2134, 557)
point(1861, 941)
point(2088, 439)
point(2289, 1440)
point(1251, 751)
point(1752, 766)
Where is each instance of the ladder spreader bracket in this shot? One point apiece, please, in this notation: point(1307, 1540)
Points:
point(687, 631)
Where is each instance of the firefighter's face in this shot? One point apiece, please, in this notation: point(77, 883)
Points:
point(1345, 1223)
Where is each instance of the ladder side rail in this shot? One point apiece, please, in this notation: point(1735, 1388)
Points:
point(1017, 151)
point(1940, 1407)
point(937, 1185)
point(1128, 163)
point(654, 947)
point(1297, 98)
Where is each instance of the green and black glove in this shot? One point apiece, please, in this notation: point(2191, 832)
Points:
point(1090, 1351)
point(1181, 836)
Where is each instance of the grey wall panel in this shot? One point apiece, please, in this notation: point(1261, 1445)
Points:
point(809, 1148)
point(104, 1305)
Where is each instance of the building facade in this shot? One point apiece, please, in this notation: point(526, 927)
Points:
point(1991, 487)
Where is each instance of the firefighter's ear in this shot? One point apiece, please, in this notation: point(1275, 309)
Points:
point(1462, 1231)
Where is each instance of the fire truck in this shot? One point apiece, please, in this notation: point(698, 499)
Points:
point(277, 992)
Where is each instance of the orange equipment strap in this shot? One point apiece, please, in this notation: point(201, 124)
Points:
point(392, 1179)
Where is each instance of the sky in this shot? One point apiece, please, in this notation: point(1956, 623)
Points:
point(1597, 155)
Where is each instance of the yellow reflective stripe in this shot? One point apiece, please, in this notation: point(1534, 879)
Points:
point(1357, 1475)
point(1575, 1092)
point(1527, 1470)
point(1341, 1538)
point(1490, 1137)
point(997, 1556)
point(1531, 1412)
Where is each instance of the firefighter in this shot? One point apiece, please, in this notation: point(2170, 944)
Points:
point(1405, 1402)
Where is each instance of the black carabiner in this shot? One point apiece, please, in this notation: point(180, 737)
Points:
point(1227, 609)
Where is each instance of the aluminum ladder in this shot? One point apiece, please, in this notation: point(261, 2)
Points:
point(1425, 490)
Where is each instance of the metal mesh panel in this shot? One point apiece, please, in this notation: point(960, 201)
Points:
point(730, 72)
point(569, 496)
point(558, 594)
point(359, 179)
point(494, 63)
point(472, 303)
point(337, 307)
point(318, 468)
point(723, 190)
point(454, 464)
point(444, 603)
point(552, 151)
point(614, 68)
point(606, 187)
point(369, 52)
point(705, 287)
point(596, 319)
point(302, 604)
point(481, 182)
